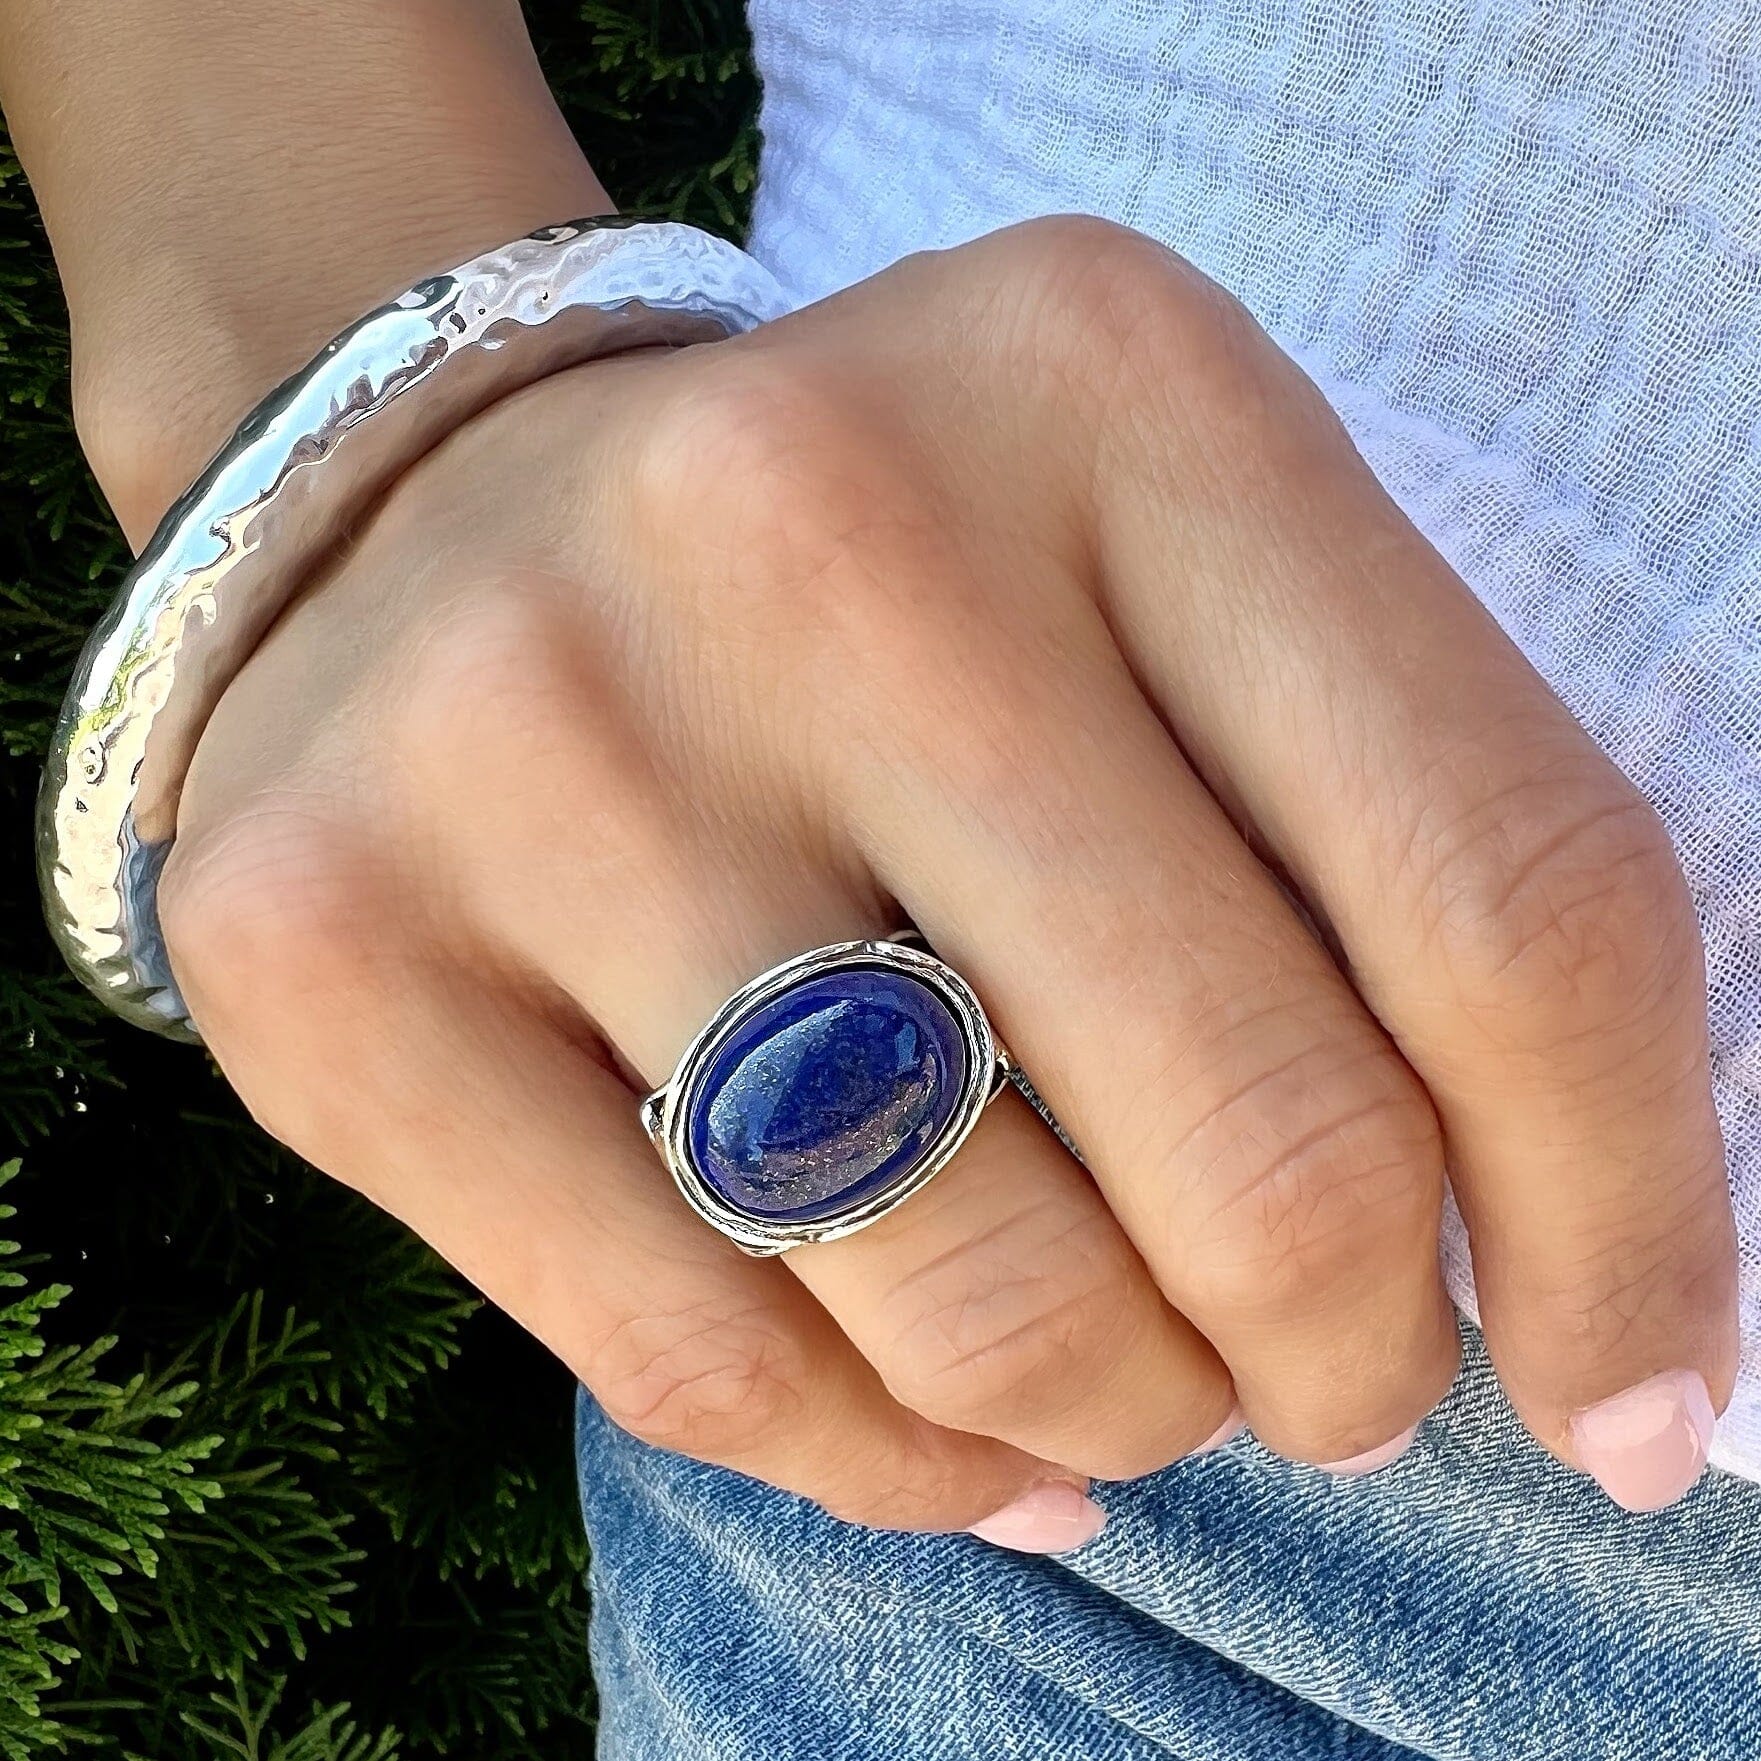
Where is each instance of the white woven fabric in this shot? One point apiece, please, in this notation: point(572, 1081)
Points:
point(1517, 242)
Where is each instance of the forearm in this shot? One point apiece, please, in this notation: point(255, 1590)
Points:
point(226, 186)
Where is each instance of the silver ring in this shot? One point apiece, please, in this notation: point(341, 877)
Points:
point(826, 1092)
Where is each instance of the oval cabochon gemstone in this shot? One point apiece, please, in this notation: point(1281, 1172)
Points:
point(828, 1095)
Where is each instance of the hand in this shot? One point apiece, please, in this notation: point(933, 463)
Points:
point(1029, 593)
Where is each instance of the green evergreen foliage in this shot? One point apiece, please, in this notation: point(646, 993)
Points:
point(274, 1485)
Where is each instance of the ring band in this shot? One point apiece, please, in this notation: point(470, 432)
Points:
point(820, 1096)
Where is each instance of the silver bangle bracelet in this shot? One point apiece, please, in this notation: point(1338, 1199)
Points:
point(313, 455)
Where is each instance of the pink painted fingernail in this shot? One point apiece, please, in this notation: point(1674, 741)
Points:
point(1227, 1432)
point(1647, 1445)
point(1052, 1518)
point(1354, 1467)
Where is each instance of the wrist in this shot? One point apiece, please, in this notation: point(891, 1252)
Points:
point(226, 189)
point(162, 378)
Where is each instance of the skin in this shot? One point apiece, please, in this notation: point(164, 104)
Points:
point(1026, 592)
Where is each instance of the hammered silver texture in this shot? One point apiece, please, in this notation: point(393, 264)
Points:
point(311, 458)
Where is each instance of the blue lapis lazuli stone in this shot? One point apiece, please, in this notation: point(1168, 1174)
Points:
point(827, 1095)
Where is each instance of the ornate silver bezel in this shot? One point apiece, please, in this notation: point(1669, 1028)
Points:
point(666, 1113)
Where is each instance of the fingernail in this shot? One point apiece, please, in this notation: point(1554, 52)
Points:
point(1051, 1518)
point(1647, 1445)
point(1354, 1467)
point(1227, 1432)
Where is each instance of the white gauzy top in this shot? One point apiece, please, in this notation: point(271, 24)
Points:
point(1517, 243)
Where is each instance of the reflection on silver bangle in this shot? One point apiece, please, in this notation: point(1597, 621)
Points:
point(231, 553)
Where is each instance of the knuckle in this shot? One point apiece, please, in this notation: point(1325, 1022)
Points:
point(269, 928)
point(495, 667)
point(996, 1337)
point(1091, 297)
point(1562, 918)
point(777, 465)
point(711, 1381)
point(811, 525)
point(1306, 1178)
point(717, 429)
point(1099, 279)
point(268, 904)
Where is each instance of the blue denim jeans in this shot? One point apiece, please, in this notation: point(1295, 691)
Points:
point(1475, 1601)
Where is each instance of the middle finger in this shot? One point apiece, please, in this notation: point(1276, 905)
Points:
point(1268, 1151)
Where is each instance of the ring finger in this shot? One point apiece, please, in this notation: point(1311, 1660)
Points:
point(1004, 1299)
